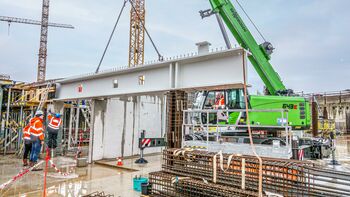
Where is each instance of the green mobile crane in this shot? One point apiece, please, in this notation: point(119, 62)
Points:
point(279, 96)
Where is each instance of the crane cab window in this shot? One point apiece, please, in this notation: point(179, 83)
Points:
point(236, 99)
point(215, 100)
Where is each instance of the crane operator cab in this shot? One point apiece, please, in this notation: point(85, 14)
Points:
point(228, 108)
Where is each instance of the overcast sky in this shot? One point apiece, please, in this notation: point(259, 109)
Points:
point(311, 37)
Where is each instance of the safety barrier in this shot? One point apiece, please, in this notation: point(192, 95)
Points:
point(20, 175)
point(146, 143)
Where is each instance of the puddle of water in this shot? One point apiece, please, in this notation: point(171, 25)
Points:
point(82, 182)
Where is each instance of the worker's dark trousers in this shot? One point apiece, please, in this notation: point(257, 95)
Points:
point(27, 149)
point(35, 152)
point(52, 140)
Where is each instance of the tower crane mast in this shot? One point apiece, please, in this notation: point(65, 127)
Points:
point(43, 42)
point(137, 33)
point(44, 23)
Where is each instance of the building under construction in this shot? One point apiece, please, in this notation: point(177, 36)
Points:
point(173, 126)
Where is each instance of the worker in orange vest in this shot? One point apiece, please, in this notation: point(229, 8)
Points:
point(36, 135)
point(220, 101)
point(52, 129)
point(27, 144)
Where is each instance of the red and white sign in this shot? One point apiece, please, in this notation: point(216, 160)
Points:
point(80, 88)
point(145, 143)
point(301, 154)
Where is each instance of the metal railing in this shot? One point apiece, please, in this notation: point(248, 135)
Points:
point(189, 124)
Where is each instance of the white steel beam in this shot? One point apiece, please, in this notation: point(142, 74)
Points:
point(215, 70)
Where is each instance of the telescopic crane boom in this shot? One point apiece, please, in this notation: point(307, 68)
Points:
point(260, 54)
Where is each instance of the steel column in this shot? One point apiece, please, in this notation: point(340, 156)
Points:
point(7, 119)
point(70, 126)
point(77, 124)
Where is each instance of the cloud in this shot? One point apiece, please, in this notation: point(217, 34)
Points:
point(311, 37)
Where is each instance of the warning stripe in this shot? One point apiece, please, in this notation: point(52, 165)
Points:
point(19, 175)
point(59, 171)
point(145, 142)
point(301, 154)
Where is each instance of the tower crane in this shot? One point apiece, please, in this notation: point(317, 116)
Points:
point(137, 33)
point(32, 22)
point(44, 23)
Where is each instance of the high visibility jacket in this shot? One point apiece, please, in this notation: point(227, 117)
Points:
point(36, 129)
point(54, 123)
point(26, 134)
point(220, 102)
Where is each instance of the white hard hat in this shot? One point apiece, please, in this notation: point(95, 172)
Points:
point(39, 113)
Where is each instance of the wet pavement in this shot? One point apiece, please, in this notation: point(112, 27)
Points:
point(110, 180)
point(81, 182)
point(342, 155)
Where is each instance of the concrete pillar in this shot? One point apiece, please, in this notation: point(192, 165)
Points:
point(77, 118)
point(91, 141)
point(98, 116)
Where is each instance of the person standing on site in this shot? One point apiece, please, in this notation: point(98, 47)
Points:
point(52, 129)
point(27, 144)
point(36, 135)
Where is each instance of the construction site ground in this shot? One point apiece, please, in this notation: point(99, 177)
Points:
point(94, 178)
point(105, 176)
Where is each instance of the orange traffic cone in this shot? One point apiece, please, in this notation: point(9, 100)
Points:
point(119, 162)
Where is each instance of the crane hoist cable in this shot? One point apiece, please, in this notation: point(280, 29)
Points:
point(110, 37)
point(160, 57)
point(255, 26)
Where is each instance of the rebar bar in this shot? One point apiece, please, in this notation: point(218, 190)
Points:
point(280, 176)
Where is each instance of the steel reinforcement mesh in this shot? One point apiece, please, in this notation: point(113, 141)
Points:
point(236, 173)
point(164, 184)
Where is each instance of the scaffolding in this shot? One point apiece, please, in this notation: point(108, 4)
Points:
point(19, 101)
point(77, 124)
point(18, 104)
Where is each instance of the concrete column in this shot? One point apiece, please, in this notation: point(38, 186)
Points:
point(98, 117)
point(91, 141)
point(176, 75)
point(77, 117)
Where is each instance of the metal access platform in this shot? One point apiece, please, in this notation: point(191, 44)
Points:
point(208, 136)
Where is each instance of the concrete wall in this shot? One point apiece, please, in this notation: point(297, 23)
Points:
point(118, 121)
